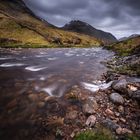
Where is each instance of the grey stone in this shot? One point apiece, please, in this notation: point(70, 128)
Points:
point(120, 86)
point(110, 124)
point(116, 98)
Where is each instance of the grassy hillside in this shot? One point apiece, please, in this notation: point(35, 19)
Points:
point(20, 27)
point(127, 47)
point(130, 64)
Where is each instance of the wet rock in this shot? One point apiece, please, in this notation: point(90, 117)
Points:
point(33, 97)
point(116, 98)
point(91, 121)
point(109, 112)
point(120, 86)
point(110, 124)
point(72, 115)
point(90, 106)
point(122, 131)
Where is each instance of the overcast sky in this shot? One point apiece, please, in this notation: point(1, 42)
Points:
point(120, 17)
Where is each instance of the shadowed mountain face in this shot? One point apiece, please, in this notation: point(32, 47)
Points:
point(84, 28)
point(20, 27)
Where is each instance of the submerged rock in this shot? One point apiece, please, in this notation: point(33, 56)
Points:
point(116, 98)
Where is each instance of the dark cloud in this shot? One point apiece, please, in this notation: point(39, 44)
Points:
point(120, 17)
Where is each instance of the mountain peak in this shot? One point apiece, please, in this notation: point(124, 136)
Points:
point(85, 28)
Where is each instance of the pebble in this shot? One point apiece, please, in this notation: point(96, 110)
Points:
point(91, 121)
point(109, 112)
point(121, 109)
point(122, 131)
point(90, 107)
point(33, 97)
point(72, 115)
point(41, 104)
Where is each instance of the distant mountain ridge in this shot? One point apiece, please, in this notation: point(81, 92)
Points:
point(131, 36)
point(84, 28)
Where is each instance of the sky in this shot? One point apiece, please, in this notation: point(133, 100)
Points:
point(119, 17)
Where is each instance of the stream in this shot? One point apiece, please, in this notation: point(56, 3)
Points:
point(52, 71)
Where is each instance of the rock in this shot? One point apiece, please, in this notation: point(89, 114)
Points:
point(12, 104)
point(120, 86)
point(110, 124)
point(122, 131)
point(117, 114)
point(41, 104)
point(33, 97)
point(72, 135)
point(90, 106)
point(46, 99)
point(72, 115)
point(109, 112)
point(132, 88)
point(116, 98)
point(91, 121)
point(136, 95)
point(121, 109)
point(123, 120)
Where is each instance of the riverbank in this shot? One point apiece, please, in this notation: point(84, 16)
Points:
point(106, 108)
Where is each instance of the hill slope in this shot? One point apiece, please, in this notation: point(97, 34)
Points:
point(82, 27)
point(127, 47)
point(19, 26)
point(128, 61)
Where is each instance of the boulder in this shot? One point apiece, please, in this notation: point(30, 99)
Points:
point(116, 98)
point(120, 86)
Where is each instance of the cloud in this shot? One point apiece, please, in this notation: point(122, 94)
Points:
point(120, 17)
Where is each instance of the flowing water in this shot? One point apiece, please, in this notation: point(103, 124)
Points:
point(52, 71)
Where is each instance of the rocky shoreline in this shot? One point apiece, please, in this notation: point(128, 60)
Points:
point(116, 109)
point(111, 113)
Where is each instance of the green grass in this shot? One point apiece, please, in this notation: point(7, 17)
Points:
point(98, 134)
point(127, 47)
point(133, 137)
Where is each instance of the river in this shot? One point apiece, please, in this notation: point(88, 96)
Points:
point(53, 71)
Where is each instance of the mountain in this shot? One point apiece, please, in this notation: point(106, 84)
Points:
point(132, 36)
point(19, 26)
point(84, 28)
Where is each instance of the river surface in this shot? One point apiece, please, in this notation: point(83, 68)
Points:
point(53, 71)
